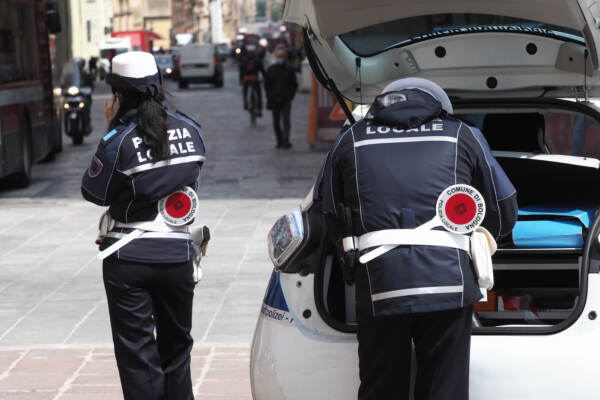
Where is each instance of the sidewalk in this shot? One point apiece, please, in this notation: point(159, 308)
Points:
point(55, 340)
point(54, 328)
point(218, 373)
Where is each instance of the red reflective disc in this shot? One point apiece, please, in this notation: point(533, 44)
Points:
point(460, 209)
point(178, 205)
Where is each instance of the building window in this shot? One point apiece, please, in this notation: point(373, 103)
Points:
point(89, 30)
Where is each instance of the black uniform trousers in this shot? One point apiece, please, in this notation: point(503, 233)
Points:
point(281, 113)
point(142, 298)
point(442, 341)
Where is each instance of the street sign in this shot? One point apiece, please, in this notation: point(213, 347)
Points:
point(326, 116)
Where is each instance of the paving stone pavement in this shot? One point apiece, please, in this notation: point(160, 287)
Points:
point(54, 329)
point(218, 372)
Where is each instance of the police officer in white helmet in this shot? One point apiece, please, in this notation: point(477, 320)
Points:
point(146, 170)
point(382, 188)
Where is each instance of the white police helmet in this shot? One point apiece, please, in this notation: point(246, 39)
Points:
point(135, 71)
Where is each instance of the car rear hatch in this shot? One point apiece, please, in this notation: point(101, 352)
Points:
point(472, 48)
point(197, 61)
point(510, 60)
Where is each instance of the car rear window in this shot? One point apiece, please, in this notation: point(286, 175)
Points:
point(197, 53)
point(164, 61)
point(552, 132)
point(375, 39)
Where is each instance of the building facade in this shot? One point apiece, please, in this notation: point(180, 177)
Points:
point(88, 22)
point(157, 19)
point(210, 21)
point(190, 17)
point(148, 15)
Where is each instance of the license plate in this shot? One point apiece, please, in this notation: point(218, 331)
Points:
point(73, 116)
point(195, 66)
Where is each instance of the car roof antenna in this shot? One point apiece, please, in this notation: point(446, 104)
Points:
point(360, 89)
point(586, 94)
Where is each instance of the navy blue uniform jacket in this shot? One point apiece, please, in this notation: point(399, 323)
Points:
point(390, 169)
point(123, 176)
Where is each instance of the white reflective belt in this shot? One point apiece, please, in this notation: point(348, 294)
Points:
point(158, 225)
point(153, 235)
point(388, 239)
point(146, 229)
point(350, 243)
point(120, 243)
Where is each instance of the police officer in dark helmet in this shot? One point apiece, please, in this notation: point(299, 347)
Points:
point(383, 177)
point(146, 170)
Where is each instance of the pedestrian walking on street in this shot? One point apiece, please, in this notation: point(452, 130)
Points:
point(93, 66)
point(414, 282)
point(281, 85)
point(146, 170)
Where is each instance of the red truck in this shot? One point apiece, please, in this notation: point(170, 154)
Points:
point(140, 40)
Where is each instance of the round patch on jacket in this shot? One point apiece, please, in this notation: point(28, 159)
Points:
point(460, 208)
point(95, 167)
point(179, 208)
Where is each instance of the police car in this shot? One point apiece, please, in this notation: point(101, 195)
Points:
point(526, 72)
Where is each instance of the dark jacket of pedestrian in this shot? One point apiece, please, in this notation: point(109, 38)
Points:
point(280, 84)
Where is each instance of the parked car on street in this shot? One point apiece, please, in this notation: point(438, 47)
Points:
point(527, 74)
point(199, 63)
point(224, 51)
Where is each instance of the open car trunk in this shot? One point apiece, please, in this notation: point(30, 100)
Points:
point(540, 47)
point(546, 148)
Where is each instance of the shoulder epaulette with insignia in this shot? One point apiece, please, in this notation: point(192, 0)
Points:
point(114, 133)
point(109, 135)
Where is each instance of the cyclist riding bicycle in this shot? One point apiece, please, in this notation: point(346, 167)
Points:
point(250, 67)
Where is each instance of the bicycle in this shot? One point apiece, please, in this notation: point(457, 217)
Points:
point(253, 105)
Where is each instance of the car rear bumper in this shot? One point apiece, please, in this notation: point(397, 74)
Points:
point(290, 360)
point(198, 73)
point(286, 363)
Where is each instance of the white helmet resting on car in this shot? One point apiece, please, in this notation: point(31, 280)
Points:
point(426, 86)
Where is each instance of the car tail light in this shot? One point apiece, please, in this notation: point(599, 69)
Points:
point(178, 61)
point(216, 60)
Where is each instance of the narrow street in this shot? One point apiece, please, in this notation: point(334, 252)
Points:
point(53, 311)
